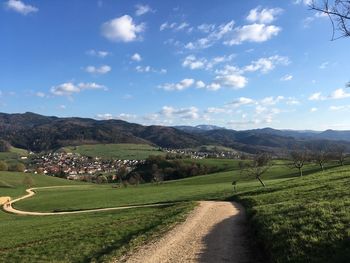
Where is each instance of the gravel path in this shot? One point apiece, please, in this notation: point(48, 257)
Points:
point(214, 232)
point(30, 192)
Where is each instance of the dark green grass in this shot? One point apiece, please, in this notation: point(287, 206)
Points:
point(96, 237)
point(123, 151)
point(303, 219)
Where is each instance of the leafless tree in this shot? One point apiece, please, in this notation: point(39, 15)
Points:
point(338, 152)
point(260, 163)
point(299, 158)
point(320, 157)
point(338, 12)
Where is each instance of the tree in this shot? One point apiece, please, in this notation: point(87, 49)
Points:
point(260, 163)
point(320, 157)
point(338, 12)
point(3, 166)
point(4, 146)
point(299, 158)
point(338, 152)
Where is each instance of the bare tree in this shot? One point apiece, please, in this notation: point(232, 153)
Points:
point(338, 12)
point(299, 158)
point(320, 157)
point(339, 153)
point(257, 167)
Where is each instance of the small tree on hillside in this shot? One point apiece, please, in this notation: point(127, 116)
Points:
point(338, 153)
point(299, 158)
point(3, 166)
point(4, 146)
point(257, 166)
point(320, 157)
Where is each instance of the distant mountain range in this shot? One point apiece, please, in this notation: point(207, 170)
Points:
point(40, 133)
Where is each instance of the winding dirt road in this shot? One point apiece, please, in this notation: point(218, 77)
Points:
point(214, 232)
point(30, 192)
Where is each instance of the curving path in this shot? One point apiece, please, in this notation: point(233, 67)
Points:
point(214, 232)
point(7, 206)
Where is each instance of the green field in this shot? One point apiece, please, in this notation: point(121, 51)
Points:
point(296, 219)
point(122, 151)
point(13, 156)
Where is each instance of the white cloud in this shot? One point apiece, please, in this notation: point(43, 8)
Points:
point(316, 96)
point(305, 2)
point(242, 101)
point(339, 94)
point(62, 107)
point(147, 69)
point(264, 65)
point(20, 7)
point(200, 84)
point(216, 110)
point(193, 62)
point(69, 88)
point(182, 85)
point(231, 77)
point(104, 116)
point(126, 116)
point(143, 9)
point(271, 100)
point(287, 77)
point(122, 29)
point(324, 65)
point(206, 28)
point(183, 113)
point(40, 94)
point(216, 34)
point(213, 86)
point(136, 57)
point(98, 53)
point(264, 16)
point(253, 33)
point(313, 109)
point(104, 69)
point(339, 108)
point(174, 26)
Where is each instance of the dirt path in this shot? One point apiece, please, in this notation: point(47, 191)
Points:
point(30, 192)
point(214, 232)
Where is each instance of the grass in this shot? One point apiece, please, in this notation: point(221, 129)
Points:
point(97, 237)
point(296, 219)
point(116, 151)
point(303, 219)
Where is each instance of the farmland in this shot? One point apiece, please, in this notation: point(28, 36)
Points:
point(115, 151)
point(284, 211)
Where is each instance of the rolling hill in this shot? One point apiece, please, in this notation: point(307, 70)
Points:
point(41, 133)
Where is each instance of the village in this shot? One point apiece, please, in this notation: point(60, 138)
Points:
point(76, 167)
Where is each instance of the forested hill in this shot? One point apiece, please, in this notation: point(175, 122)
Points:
point(37, 133)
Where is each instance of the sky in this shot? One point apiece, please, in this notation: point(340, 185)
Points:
point(235, 64)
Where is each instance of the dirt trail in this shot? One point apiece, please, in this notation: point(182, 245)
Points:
point(214, 232)
point(30, 192)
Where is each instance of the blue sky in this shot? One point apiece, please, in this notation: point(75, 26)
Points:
point(237, 64)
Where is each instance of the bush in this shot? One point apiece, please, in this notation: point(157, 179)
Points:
point(18, 167)
point(4, 146)
point(3, 166)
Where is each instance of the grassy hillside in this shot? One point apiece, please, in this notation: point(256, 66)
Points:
point(303, 219)
point(214, 186)
point(117, 151)
point(297, 219)
point(93, 237)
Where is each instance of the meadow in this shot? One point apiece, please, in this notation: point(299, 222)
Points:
point(123, 151)
point(295, 219)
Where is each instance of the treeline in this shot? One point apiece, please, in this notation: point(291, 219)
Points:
point(13, 167)
point(159, 168)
